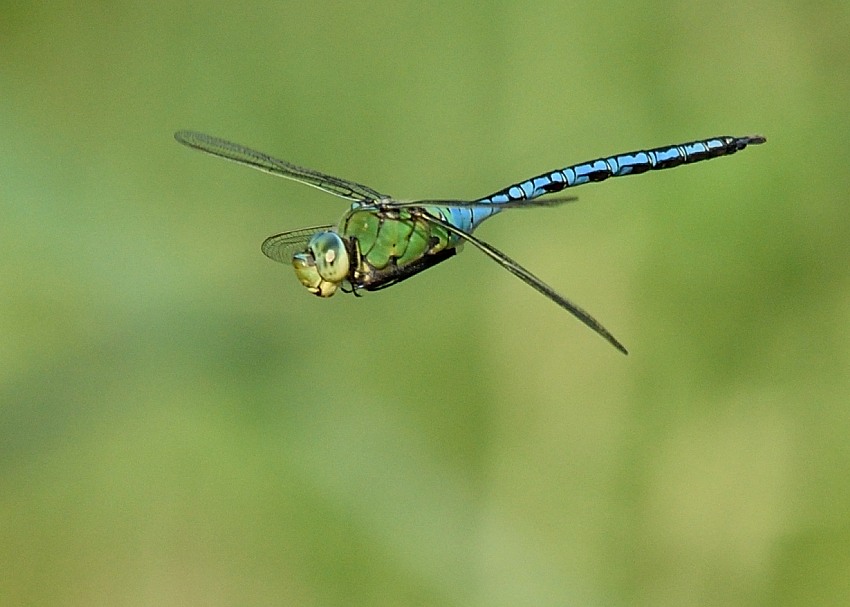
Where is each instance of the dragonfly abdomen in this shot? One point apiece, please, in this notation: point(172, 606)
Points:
point(630, 163)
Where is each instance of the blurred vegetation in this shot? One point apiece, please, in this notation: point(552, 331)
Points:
point(181, 424)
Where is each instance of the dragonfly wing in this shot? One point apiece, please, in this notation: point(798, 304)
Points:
point(530, 279)
point(479, 204)
point(263, 162)
point(281, 247)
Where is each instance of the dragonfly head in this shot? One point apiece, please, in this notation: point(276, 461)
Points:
point(324, 265)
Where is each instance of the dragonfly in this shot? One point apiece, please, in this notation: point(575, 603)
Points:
point(381, 241)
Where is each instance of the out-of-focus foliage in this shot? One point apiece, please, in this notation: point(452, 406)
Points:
point(182, 424)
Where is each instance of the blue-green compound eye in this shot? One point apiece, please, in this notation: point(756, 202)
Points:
point(324, 265)
point(331, 256)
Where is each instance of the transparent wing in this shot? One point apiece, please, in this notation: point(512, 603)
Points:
point(263, 162)
point(530, 279)
point(478, 204)
point(281, 247)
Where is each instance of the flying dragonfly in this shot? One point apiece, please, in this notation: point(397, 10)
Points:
point(381, 241)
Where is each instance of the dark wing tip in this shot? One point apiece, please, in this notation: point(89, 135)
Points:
point(183, 135)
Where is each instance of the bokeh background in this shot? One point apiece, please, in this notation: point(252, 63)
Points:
point(182, 424)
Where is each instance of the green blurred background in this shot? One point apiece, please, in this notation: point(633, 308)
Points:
point(182, 424)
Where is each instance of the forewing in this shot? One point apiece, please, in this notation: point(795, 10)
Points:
point(222, 148)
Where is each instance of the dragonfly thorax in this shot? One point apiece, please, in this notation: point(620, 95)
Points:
point(323, 265)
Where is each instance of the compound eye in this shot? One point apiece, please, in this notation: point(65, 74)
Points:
point(331, 256)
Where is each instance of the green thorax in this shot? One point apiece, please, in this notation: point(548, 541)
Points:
point(390, 240)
